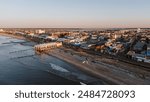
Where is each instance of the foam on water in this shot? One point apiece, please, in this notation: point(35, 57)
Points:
point(56, 67)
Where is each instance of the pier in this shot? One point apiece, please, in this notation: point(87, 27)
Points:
point(47, 46)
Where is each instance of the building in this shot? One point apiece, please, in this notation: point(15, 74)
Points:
point(116, 36)
point(40, 31)
point(1, 30)
point(47, 46)
point(31, 34)
point(138, 30)
point(94, 37)
point(139, 46)
point(148, 52)
point(52, 38)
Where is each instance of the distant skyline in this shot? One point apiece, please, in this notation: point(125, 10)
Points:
point(74, 13)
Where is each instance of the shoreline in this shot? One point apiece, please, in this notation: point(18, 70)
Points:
point(107, 70)
point(13, 36)
point(22, 38)
point(85, 68)
point(80, 67)
point(27, 68)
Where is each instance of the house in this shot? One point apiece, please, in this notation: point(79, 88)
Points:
point(94, 37)
point(148, 47)
point(148, 52)
point(31, 34)
point(118, 47)
point(116, 36)
point(130, 54)
point(52, 38)
point(62, 39)
point(138, 57)
point(19, 33)
point(40, 31)
point(139, 46)
point(84, 46)
point(1, 30)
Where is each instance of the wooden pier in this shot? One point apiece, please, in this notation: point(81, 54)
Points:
point(47, 46)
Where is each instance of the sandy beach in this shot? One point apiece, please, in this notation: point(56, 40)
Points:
point(111, 71)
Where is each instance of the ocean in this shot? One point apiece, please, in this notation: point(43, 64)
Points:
point(20, 65)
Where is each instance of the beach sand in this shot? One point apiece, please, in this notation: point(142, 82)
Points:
point(110, 73)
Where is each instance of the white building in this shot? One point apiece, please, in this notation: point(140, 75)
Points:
point(117, 36)
point(1, 30)
point(31, 34)
point(40, 31)
point(138, 30)
point(94, 37)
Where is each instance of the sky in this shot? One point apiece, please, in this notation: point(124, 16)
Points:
point(74, 13)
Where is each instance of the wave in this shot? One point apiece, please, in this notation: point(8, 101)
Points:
point(58, 68)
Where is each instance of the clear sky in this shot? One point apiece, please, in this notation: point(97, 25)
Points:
point(74, 13)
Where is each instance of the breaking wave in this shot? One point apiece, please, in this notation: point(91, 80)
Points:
point(58, 68)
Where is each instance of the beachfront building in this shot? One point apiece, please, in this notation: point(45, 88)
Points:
point(1, 30)
point(40, 31)
point(47, 46)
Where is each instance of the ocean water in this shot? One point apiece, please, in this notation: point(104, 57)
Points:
point(20, 65)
